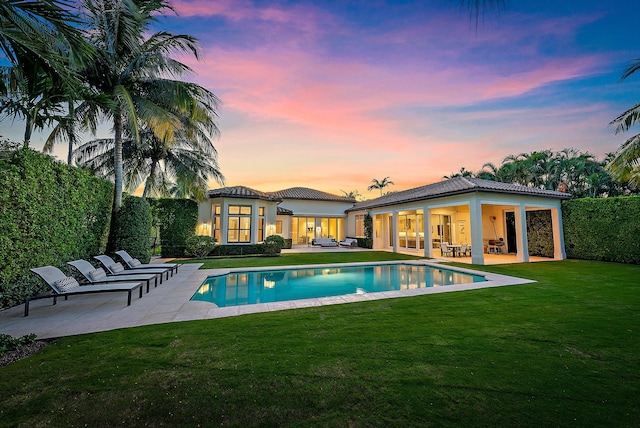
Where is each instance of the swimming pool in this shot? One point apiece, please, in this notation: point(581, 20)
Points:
point(267, 286)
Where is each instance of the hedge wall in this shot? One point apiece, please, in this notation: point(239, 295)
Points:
point(602, 229)
point(177, 220)
point(133, 228)
point(50, 213)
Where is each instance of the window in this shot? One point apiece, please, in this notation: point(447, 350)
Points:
point(239, 228)
point(360, 226)
point(216, 222)
point(261, 224)
point(278, 226)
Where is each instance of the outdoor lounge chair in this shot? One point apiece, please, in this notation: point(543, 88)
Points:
point(65, 286)
point(117, 269)
point(98, 275)
point(135, 263)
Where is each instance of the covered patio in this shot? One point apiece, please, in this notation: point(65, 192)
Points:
point(469, 220)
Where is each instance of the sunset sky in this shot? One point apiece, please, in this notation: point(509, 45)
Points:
point(330, 94)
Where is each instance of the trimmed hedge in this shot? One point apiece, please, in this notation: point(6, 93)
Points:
point(133, 228)
point(177, 220)
point(245, 250)
point(50, 213)
point(602, 229)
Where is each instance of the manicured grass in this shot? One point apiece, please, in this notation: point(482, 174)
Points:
point(564, 351)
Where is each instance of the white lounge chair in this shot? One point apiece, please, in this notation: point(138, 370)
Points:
point(135, 263)
point(115, 268)
point(65, 286)
point(98, 275)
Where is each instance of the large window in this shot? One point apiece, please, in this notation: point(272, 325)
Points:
point(305, 229)
point(360, 226)
point(239, 228)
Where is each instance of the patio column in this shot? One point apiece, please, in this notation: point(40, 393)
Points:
point(224, 222)
point(558, 234)
point(475, 223)
point(522, 242)
point(426, 220)
point(394, 226)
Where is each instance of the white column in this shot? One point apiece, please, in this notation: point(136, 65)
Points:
point(475, 223)
point(224, 221)
point(426, 220)
point(522, 242)
point(394, 227)
point(558, 234)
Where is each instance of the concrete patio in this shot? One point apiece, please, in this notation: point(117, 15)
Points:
point(170, 302)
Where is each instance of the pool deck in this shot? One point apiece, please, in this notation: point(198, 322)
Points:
point(170, 302)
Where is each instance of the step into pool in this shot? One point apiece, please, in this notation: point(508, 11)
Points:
point(266, 286)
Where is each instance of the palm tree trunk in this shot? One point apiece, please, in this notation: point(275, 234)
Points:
point(28, 130)
point(71, 132)
point(117, 161)
point(150, 178)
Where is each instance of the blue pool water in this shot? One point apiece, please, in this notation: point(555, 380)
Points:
point(248, 288)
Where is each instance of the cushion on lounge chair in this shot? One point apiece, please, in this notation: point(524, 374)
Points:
point(66, 284)
point(97, 275)
point(117, 268)
point(135, 263)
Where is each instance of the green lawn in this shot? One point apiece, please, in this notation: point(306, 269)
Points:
point(564, 351)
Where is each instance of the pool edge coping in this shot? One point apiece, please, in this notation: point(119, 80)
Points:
point(492, 280)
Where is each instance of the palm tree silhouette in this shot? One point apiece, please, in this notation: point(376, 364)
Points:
point(380, 184)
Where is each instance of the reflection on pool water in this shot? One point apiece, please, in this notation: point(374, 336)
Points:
point(248, 288)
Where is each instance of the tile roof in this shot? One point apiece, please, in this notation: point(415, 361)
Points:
point(455, 186)
point(241, 192)
point(284, 211)
point(306, 193)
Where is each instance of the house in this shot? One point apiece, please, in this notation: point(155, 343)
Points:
point(486, 215)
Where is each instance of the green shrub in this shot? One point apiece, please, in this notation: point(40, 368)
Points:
point(275, 239)
point(50, 213)
point(133, 228)
point(602, 229)
point(10, 343)
point(177, 219)
point(540, 233)
point(199, 246)
point(368, 232)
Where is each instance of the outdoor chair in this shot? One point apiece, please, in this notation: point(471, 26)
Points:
point(445, 249)
point(98, 275)
point(135, 263)
point(65, 286)
point(115, 268)
point(464, 250)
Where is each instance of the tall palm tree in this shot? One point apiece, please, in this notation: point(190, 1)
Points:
point(134, 69)
point(187, 164)
point(36, 30)
point(380, 184)
point(44, 48)
point(625, 165)
point(463, 173)
point(352, 194)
